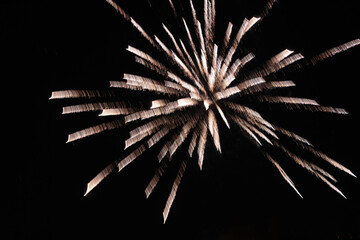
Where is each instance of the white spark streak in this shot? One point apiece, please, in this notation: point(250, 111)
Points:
point(77, 94)
point(156, 178)
point(280, 56)
point(99, 177)
point(198, 77)
point(333, 51)
point(95, 107)
point(174, 189)
point(283, 174)
point(94, 130)
point(201, 144)
point(192, 144)
point(131, 157)
point(213, 128)
point(159, 103)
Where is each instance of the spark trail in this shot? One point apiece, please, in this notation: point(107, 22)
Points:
point(197, 88)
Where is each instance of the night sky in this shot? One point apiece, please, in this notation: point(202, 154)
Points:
point(58, 45)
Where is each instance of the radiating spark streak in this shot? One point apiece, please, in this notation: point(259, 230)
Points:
point(184, 84)
point(239, 88)
point(156, 178)
point(193, 48)
point(148, 84)
point(159, 103)
point(251, 23)
point(328, 159)
point(233, 48)
point(246, 59)
point(333, 51)
point(188, 72)
point(329, 110)
point(194, 17)
point(249, 112)
point(133, 22)
point(257, 132)
point(280, 56)
point(212, 79)
point(165, 150)
point(215, 57)
point(222, 115)
point(179, 62)
point(173, 8)
point(117, 111)
point(213, 17)
point(211, 28)
point(182, 136)
point(201, 144)
point(292, 135)
point(267, 86)
point(167, 109)
point(79, 94)
point(273, 68)
point(150, 66)
point(301, 103)
point(231, 75)
point(147, 57)
point(288, 100)
point(250, 83)
point(135, 139)
point(288, 61)
point(94, 130)
point(213, 128)
point(204, 64)
point(190, 81)
point(331, 185)
point(190, 60)
point(227, 93)
point(158, 136)
point(226, 63)
point(203, 50)
point(175, 43)
point(193, 141)
point(314, 169)
point(89, 107)
point(156, 122)
point(206, 22)
point(174, 189)
point(125, 85)
point(283, 174)
point(163, 46)
point(260, 126)
point(119, 9)
point(131, 157)
point(138, 86)
point(141, 30)
point(142, 80)
point(99, 177)
point(234, 70)
point(226, 39)
point(242, 124)
point(174, 85)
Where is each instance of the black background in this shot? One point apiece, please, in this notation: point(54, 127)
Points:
point(55, 45)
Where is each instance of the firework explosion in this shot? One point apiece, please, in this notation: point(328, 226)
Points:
point(198, 88)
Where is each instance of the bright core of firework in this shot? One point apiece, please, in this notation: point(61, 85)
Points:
point(199, 94)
